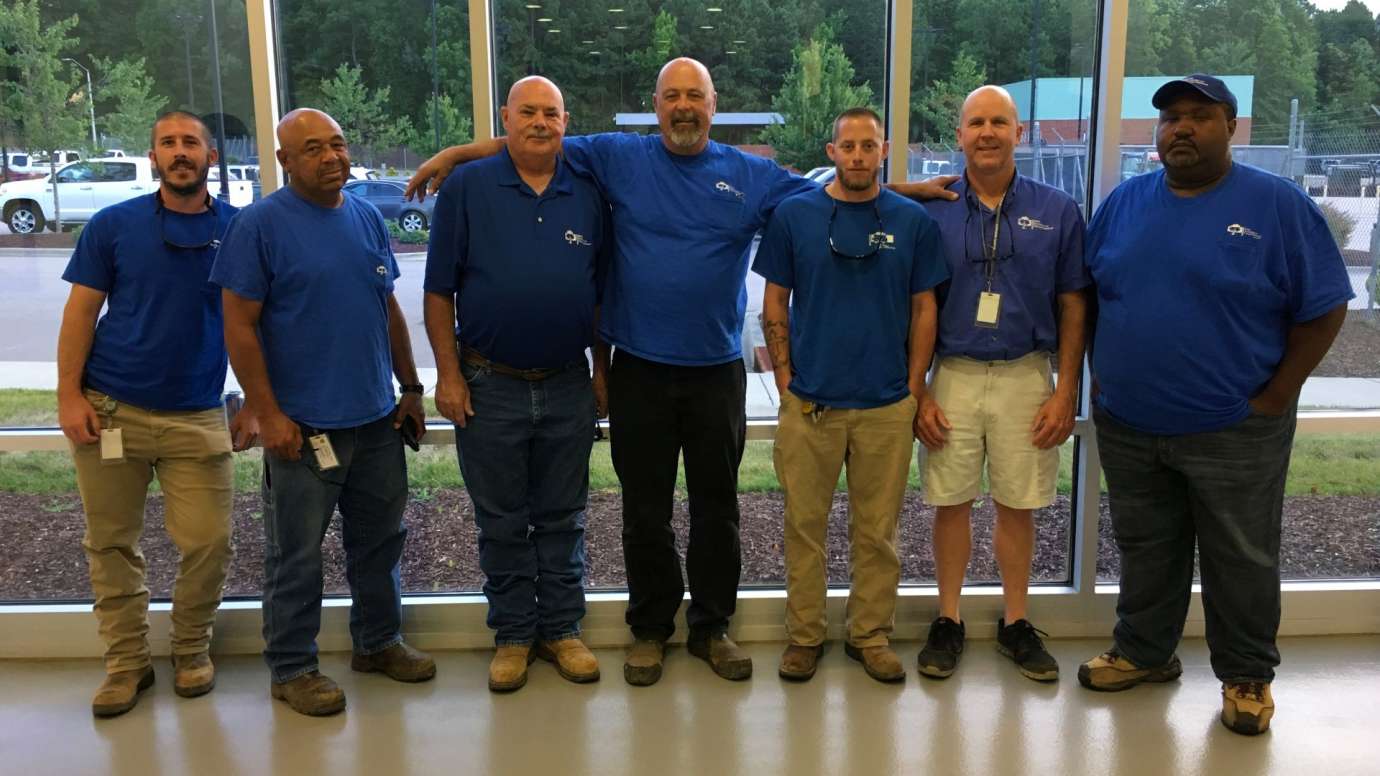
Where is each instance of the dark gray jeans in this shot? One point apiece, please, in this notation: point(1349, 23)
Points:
point(1224, 490)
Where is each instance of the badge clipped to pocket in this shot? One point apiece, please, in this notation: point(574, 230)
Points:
point(325, 454)
point(989, 307)
point(112, 446)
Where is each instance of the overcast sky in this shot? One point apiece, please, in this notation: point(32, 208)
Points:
point(1336, 5)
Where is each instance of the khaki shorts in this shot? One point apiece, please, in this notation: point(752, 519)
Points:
point(991, 406)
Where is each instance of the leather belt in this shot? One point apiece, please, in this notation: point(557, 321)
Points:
point(476, 358)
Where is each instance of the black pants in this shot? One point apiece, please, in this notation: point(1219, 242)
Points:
point(658, 411)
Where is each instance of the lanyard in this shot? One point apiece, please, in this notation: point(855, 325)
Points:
point(990, 256)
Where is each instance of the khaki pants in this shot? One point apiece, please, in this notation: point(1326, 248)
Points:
point(190, 454)
point(876, 445)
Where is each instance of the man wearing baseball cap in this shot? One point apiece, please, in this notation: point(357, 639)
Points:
point(1219, 289)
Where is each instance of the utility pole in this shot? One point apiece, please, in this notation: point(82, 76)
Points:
point(1033, 131)
point(90, 100)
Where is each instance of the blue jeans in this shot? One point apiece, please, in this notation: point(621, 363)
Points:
point(1224, 489)
point(525, 459)
point(370, 489)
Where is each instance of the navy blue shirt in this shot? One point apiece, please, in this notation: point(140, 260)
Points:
point(324, 276)
point(161, 343)
point(1039, 255)
point(850, 318)
point(525, 269)
point(1196, 295)
point(682, 226)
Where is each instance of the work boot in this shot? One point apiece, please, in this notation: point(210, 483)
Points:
point(642, 667)
point(120, 691)
point(943, 648)
point(1021, 642)
point(313, 694)
point(1247, 707)
point(193, 675)
point(1111, 671)
point(399, 662)
point(572, 658)
point(799, 662)
point(508, 669)
point(880, 662)
point(725, 657)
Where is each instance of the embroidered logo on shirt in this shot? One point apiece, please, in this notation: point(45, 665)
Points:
point(575, 239)
point(727, 189)
point(1026, 222)
point(382, 270)
point(1237, 230)
point(882, 240)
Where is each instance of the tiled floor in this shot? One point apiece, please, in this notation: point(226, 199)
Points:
point(987, 719)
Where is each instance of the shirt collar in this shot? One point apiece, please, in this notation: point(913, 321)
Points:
point(508, 175)
point(1012, 191)
point(211, 205)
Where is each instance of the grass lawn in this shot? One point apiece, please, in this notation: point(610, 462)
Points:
point(1323, 464)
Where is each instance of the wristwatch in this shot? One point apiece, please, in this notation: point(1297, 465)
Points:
point(418, 389)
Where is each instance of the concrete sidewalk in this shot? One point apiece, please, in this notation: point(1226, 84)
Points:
point(1322, 393)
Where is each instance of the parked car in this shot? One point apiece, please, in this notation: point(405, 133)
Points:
point(86, 187)
point(387, 196)
point(363, 174)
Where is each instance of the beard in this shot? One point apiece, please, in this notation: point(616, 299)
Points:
point(184, 190)
point(851, 180)
point(683, 136)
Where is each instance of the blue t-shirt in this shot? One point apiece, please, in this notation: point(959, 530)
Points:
point(682, 226)
point(324, 276)
point(850, 317)
point(1039, 255)
point(525, 268)
point(1196, 295)
point(161, 343)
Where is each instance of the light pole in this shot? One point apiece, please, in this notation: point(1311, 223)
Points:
point(90, 99)
point(926, 32)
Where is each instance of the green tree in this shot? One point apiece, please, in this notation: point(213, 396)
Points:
point(362, 113)
point(936, 109)
point(815, 91)
point(129, 102)
point(455, 127)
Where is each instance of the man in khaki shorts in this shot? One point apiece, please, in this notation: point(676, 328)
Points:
point(1015, 253)
point(139, 396)
point(861, 263)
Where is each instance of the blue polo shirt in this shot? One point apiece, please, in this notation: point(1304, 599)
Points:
point(1039, 255)
point(160, 344)
point(682, 226)
point(525, 269)
point(850, 317)
point(1196, 295)
point(324, 276)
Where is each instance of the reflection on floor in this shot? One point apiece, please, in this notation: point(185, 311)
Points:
point(985, 720)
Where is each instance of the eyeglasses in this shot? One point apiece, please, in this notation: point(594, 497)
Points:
point(212, 241)
point(873, 243)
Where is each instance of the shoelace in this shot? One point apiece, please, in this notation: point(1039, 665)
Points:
point(1026, 638)
point(1246, 690)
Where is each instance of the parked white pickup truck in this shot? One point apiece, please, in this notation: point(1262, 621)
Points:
point(86, 187)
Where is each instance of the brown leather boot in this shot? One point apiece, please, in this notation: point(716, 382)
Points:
point(1247, 707)
point(508, 669)
point(799, 662)
point(725, 657)
point(313, 694)
point(193, 675)
point(642, 667)
point(880, 662)
point(120, 691)
point(399, 662)
point(573, 659)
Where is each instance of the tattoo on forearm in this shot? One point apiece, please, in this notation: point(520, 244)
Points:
point(778, 336)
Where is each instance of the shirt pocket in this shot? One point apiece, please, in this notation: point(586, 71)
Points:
point(1236, 264)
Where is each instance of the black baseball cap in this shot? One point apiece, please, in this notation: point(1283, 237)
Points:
point(1204, 84)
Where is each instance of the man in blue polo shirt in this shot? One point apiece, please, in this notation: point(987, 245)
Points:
point(313, 331)
point(1015, 253)
point(139, 395)
point(1219, 289)
point(519, 247)
point(685, 210)
point(861, 264)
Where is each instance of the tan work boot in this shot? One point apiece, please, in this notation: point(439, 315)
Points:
point(799, 662)
point(120, 691)
point(508, 669)
point(880, 662)
point(642, 666)
point(1111, 671)
point(725, 657)
point(399, 662)
point(193, 675)
point(1247, 707)
point(573, 659)
point(313, 694)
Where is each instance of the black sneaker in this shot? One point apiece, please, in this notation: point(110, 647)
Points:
point(939, 658)
point(1021, 642)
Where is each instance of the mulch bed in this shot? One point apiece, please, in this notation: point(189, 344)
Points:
point(1356, 351)
point(1324, 537)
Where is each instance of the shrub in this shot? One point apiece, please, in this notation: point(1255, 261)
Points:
point(1338, 222)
